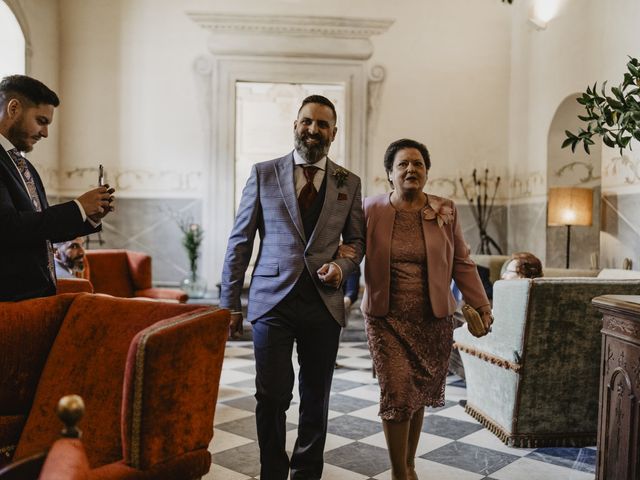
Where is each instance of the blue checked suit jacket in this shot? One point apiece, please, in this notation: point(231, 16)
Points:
point(269, 207)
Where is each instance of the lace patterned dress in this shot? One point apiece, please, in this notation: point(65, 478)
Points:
point(410, 348)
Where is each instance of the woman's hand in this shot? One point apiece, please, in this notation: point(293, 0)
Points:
point(487, 317)
point(346, 251)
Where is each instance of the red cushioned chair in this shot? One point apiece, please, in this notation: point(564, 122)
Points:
point(74, 285)
point(124, 273)
point(67, 459)
point(148, 372)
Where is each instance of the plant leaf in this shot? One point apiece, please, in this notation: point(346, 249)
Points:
point(608, 142)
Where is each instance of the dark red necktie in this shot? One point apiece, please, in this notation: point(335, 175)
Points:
point(308, 193)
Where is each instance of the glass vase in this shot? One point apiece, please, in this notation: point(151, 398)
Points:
point(194, 286)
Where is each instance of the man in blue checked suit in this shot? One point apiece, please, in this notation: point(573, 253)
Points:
point(300, 205)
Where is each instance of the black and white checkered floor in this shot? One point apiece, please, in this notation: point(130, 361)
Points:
point(453, 446)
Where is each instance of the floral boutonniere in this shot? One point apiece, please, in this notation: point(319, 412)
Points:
point(340, 175)
point(436, 211)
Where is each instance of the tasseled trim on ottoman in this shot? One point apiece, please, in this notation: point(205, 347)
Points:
point(524, 440)
point(487, 357)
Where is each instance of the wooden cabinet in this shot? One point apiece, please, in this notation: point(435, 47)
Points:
point(619, 415)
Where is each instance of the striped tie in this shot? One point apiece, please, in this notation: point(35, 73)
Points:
point(21, 163)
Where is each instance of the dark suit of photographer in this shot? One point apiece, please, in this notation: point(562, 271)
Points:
point(29, 223)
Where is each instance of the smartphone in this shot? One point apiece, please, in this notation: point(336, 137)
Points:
point(100, 176)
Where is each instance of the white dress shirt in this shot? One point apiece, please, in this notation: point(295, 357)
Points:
point(298, 173)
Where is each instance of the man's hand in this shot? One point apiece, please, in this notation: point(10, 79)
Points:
point(235, 326)
point(97, 203)
point(330, 274)
point(346, 250)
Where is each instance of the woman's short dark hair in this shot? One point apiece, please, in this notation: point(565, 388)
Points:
point(401, 144)
point(27, 88)
point(528, 265)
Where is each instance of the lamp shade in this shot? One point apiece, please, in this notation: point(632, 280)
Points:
point(570, 206)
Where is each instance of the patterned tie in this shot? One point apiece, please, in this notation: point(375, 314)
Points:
point(21, 163)
point(308, 193)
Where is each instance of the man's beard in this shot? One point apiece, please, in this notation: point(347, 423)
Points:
point(18, 136)
point(78, 265)
point(73, 265)
point(311, 153)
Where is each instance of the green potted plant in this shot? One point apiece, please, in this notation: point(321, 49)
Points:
point(193, 234)
point(615, 117)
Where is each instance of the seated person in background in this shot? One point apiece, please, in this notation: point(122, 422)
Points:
point(69, 259)
point(522, 265)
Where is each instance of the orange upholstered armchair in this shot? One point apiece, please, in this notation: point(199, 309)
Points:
point(73, 285)
point(148, 373)
point(67, 459)
point(124, 273)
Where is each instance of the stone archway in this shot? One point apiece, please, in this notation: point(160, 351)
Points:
point(567, 169)
point(15, 48)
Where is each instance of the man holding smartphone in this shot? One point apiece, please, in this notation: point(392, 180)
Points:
point(30, 225)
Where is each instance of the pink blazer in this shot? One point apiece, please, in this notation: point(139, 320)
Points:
point(447, 257)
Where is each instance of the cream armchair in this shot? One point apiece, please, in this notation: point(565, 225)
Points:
point(534, 380)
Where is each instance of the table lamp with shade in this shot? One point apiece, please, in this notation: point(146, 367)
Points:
point(570, 206)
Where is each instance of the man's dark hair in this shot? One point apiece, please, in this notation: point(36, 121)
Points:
point(401, 144)
point(26, 89)
point(322, 101)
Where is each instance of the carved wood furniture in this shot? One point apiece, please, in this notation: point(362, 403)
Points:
point(619, 417)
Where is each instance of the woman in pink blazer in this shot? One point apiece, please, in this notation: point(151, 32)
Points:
point(414, 248)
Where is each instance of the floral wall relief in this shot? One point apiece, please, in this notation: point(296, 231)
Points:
point(624, 168)
point(138, 180)
point(531, 184)
point(570, 167)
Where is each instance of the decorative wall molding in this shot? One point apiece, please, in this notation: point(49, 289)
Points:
point(445, 187)
point(130, 183)
point(624, 168)
point(375, 82)
point(531, 185)
point(297, 25)
point(271, 35)
point(571, 166)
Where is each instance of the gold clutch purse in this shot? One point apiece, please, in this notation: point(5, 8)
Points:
point(474, 321)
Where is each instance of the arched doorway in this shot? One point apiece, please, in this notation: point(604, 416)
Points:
point(567, 169)
point(13, 51)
